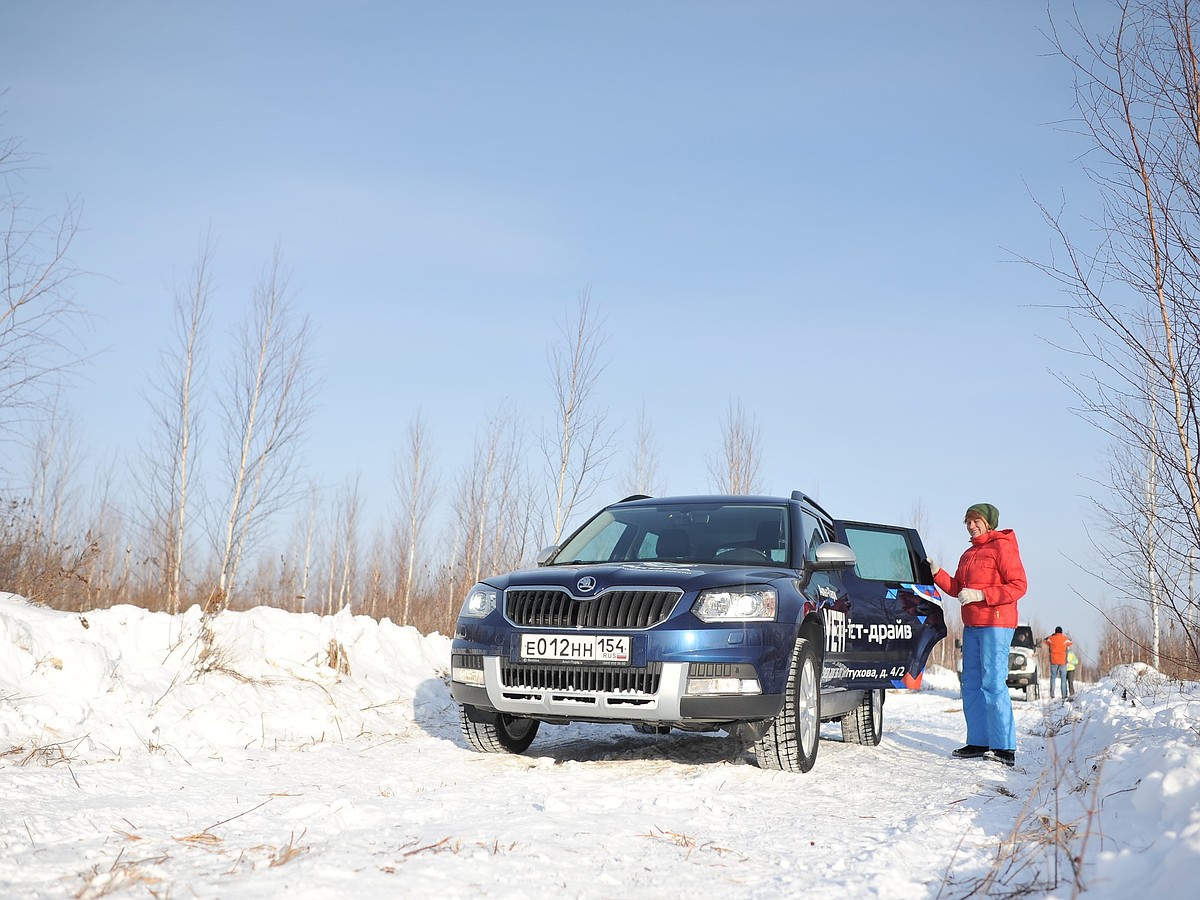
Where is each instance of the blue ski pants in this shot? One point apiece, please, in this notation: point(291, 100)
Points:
point(987, 705)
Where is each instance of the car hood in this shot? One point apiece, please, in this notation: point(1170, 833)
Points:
point(686, 576)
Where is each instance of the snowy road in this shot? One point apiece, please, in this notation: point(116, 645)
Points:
point(591, 812)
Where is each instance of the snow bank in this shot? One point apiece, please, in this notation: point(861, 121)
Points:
point(112, 681)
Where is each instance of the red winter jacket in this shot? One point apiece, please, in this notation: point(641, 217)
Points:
point(991, 564)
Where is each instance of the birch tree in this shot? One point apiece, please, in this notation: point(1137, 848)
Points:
point(343, 560)
point(169, 464)
point(643, 475)
point(1133, 289)
point(578, 446)
point(492, 506)
point(416, 487)
point(55, 471)
point(265, 410)
point(735, 470)
point(298, 561)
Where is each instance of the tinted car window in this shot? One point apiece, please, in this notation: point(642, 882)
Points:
point(815, 534)
point(882, 555)
point(1023, 637)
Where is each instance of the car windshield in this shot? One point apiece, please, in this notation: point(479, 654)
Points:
point(1023, 637)
point(724, 533)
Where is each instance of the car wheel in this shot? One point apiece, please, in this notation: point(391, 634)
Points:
point(508, 734)
point(864, 724)
point(790, 742)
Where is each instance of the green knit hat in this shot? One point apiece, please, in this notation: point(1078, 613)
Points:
point(985, 511)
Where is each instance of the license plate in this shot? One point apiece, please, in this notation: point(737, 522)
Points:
point(576, 648)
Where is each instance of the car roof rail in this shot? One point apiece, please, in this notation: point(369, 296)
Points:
point(804, 498)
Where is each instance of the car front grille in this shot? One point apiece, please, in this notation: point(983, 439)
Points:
point(555, 608)
point(581, 679)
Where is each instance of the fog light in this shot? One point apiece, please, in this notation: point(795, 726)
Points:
point(466, 668)
point(467, 676)
point(722, 679)
point(723, 686)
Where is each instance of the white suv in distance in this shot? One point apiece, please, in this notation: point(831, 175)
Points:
point(1023, 664)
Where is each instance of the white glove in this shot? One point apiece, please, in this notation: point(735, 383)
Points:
point(933, 567)
point(970, 595)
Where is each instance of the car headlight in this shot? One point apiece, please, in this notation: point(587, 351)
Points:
point(480, 602)
point(737, 604)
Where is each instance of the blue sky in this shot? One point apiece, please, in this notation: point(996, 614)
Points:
point(815, 212)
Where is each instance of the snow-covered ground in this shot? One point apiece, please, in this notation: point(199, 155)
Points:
point(321, 757)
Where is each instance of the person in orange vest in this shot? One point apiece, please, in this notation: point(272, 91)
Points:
point(1058, 644)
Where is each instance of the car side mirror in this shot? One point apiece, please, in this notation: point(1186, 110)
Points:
point(832, 555)
point(545, 554)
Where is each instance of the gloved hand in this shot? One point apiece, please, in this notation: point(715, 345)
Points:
point(933, 567)
point(970, 595)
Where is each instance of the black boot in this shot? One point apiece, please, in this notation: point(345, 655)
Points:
point(1008, 757)
point(971, 751)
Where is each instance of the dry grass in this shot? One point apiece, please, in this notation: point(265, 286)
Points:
point(689, 843)
point(120, 876)
point(1047, 845)
point(337, 658)
point(449, 845)
point(279, 856)
point(59, 753)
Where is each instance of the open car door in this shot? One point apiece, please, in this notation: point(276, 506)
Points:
point(894, 613)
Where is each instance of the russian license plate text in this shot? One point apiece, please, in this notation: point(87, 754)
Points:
point(576, 648)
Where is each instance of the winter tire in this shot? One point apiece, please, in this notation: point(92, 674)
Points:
point(508, 734)
point(864, 724)
point(791, 740)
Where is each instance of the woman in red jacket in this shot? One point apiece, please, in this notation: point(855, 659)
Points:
point(988, 583)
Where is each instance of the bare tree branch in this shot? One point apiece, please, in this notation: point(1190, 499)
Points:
point(580, 446)
point(266, 410)
point(416, 487)
point(38, 312)
point(169, 459)
point(1134, 309)
point(736, 469)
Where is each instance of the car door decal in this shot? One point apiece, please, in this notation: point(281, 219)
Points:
point(893, 618)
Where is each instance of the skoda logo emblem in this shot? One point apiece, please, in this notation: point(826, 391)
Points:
point(586, 583)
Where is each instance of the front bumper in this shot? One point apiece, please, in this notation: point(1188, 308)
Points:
point(664, 700)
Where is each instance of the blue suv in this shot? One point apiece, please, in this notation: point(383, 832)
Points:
point(759, 616)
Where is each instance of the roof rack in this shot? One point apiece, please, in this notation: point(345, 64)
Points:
point(804, 498)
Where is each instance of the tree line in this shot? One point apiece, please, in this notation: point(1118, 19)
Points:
point(217, 513)
point(1131, 279)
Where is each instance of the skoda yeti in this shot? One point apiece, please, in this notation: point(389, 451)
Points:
point(758, 616)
